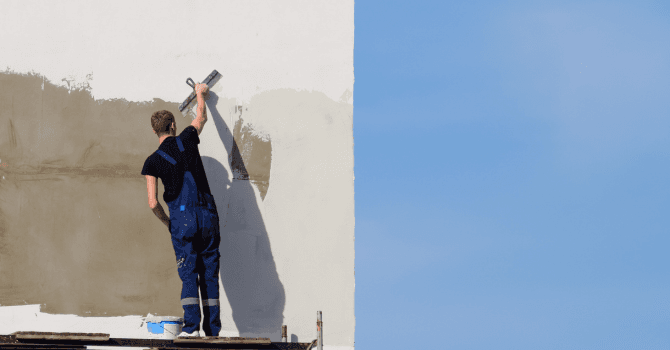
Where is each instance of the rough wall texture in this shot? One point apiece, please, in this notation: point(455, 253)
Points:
point(257, 149)
point(76, 233)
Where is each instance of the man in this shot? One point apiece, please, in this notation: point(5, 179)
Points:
point(193, 221)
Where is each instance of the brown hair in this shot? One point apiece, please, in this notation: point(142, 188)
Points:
point(161, 121)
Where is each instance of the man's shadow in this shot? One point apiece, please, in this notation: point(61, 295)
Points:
point(248, 271)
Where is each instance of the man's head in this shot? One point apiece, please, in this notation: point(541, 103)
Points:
point(163, 123)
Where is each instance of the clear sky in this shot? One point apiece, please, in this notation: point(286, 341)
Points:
point(512, 163)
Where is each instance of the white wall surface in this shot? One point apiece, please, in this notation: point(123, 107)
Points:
point(289, 65)
point(140, 50)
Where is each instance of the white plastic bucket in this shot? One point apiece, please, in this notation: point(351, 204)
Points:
point(164, 327)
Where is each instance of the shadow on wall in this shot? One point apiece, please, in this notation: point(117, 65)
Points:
point(248, 271)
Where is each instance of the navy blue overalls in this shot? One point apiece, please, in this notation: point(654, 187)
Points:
point(194, 225)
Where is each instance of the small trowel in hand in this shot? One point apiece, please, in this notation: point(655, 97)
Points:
point(187, 106)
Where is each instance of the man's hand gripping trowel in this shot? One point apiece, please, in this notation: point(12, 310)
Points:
point(186, 107)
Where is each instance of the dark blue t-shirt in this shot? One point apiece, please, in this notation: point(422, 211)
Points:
point(172, 176)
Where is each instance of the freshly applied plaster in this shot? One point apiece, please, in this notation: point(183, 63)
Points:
point(257, 150)
point(76, 233)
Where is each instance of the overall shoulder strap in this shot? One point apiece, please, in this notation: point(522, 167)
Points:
point(167, 157)
point(181, 145)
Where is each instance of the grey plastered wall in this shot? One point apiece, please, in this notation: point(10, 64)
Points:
point(76, 235)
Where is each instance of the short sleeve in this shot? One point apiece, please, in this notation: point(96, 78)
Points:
point(149, 167)
point(190, 135)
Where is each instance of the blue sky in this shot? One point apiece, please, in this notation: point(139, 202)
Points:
point(512, 163)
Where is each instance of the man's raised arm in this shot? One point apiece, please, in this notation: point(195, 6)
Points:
point(201, 91)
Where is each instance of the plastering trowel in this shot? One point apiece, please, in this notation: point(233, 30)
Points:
point(187, 106)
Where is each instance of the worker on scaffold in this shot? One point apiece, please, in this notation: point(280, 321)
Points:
point(194, 220)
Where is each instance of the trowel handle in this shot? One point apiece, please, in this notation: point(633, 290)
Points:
point(190, 83)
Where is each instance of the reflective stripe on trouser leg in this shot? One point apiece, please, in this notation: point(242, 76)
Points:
point(209, 255)
point(211, 313)
point(210, 302)
point(190, 301)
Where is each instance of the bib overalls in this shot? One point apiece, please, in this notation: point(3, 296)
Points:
point(194, 226)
